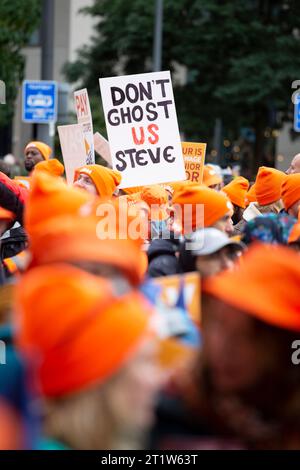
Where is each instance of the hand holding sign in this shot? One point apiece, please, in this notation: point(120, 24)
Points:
point(142, 128)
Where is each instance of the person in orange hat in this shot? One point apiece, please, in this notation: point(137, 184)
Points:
point(156, 197)
point(268, 189)
point(211, 178)
point(95, 365)
point(35, 152)
point(197, 207)
point(242, 391)
point(236, 190)
point(291, 194)
point(267, 196)
point(51, 197)
point(97, 180)
point(70, 225)
point(53, 167)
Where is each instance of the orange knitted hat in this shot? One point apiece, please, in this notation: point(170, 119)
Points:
point(268, 286)
point(210, 177)
point(105, 179)
point(89, 333)
point(42, 147)
point(52, 166)
point(236, 190)
point(200, 198)
point(156, 198)
point(268, 185)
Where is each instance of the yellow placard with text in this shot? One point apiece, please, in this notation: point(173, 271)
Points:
point(194, 157)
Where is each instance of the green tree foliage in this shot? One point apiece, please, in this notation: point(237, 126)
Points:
point(240, 56)
point(18, 19)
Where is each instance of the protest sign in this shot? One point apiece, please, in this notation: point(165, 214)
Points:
point(142, 128)
point(194, 157)
point(170, 291)
point(102, 148)
point(84, 117)
point(73, 149)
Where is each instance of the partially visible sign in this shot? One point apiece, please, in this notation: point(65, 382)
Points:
point(142, 128)
point(39, 101)
point(84, 117)
point(73, 149)
point(194, 157)
point(297, 113)
point(171, 290)
point(102, 148)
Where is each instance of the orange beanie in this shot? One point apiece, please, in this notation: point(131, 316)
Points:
point(51, 197)
point(155, 196)
point(43, 148)
point(89, 333)
point(268, 185)
point(236, 190)
point(76, 239)
point(62, 226)
point(210, 177)
point(290, 190)
point(105, 179)
point(52, 166)
point(268, 286)
point(216, 205)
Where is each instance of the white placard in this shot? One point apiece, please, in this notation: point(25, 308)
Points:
point(84, 117)
point(102, 147)
point(73, 149)
point(142, 128)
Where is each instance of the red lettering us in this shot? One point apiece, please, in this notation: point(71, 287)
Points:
point(152, 130)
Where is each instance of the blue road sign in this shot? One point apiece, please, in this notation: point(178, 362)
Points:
point(297, 113)
point(39, 101)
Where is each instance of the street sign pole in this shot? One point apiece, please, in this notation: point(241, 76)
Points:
point(157, 40)
point(44, 130)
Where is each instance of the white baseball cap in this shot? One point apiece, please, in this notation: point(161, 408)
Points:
point(210, 240)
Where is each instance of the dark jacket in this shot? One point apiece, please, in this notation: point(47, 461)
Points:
point(13, 241)
point(162, 258)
